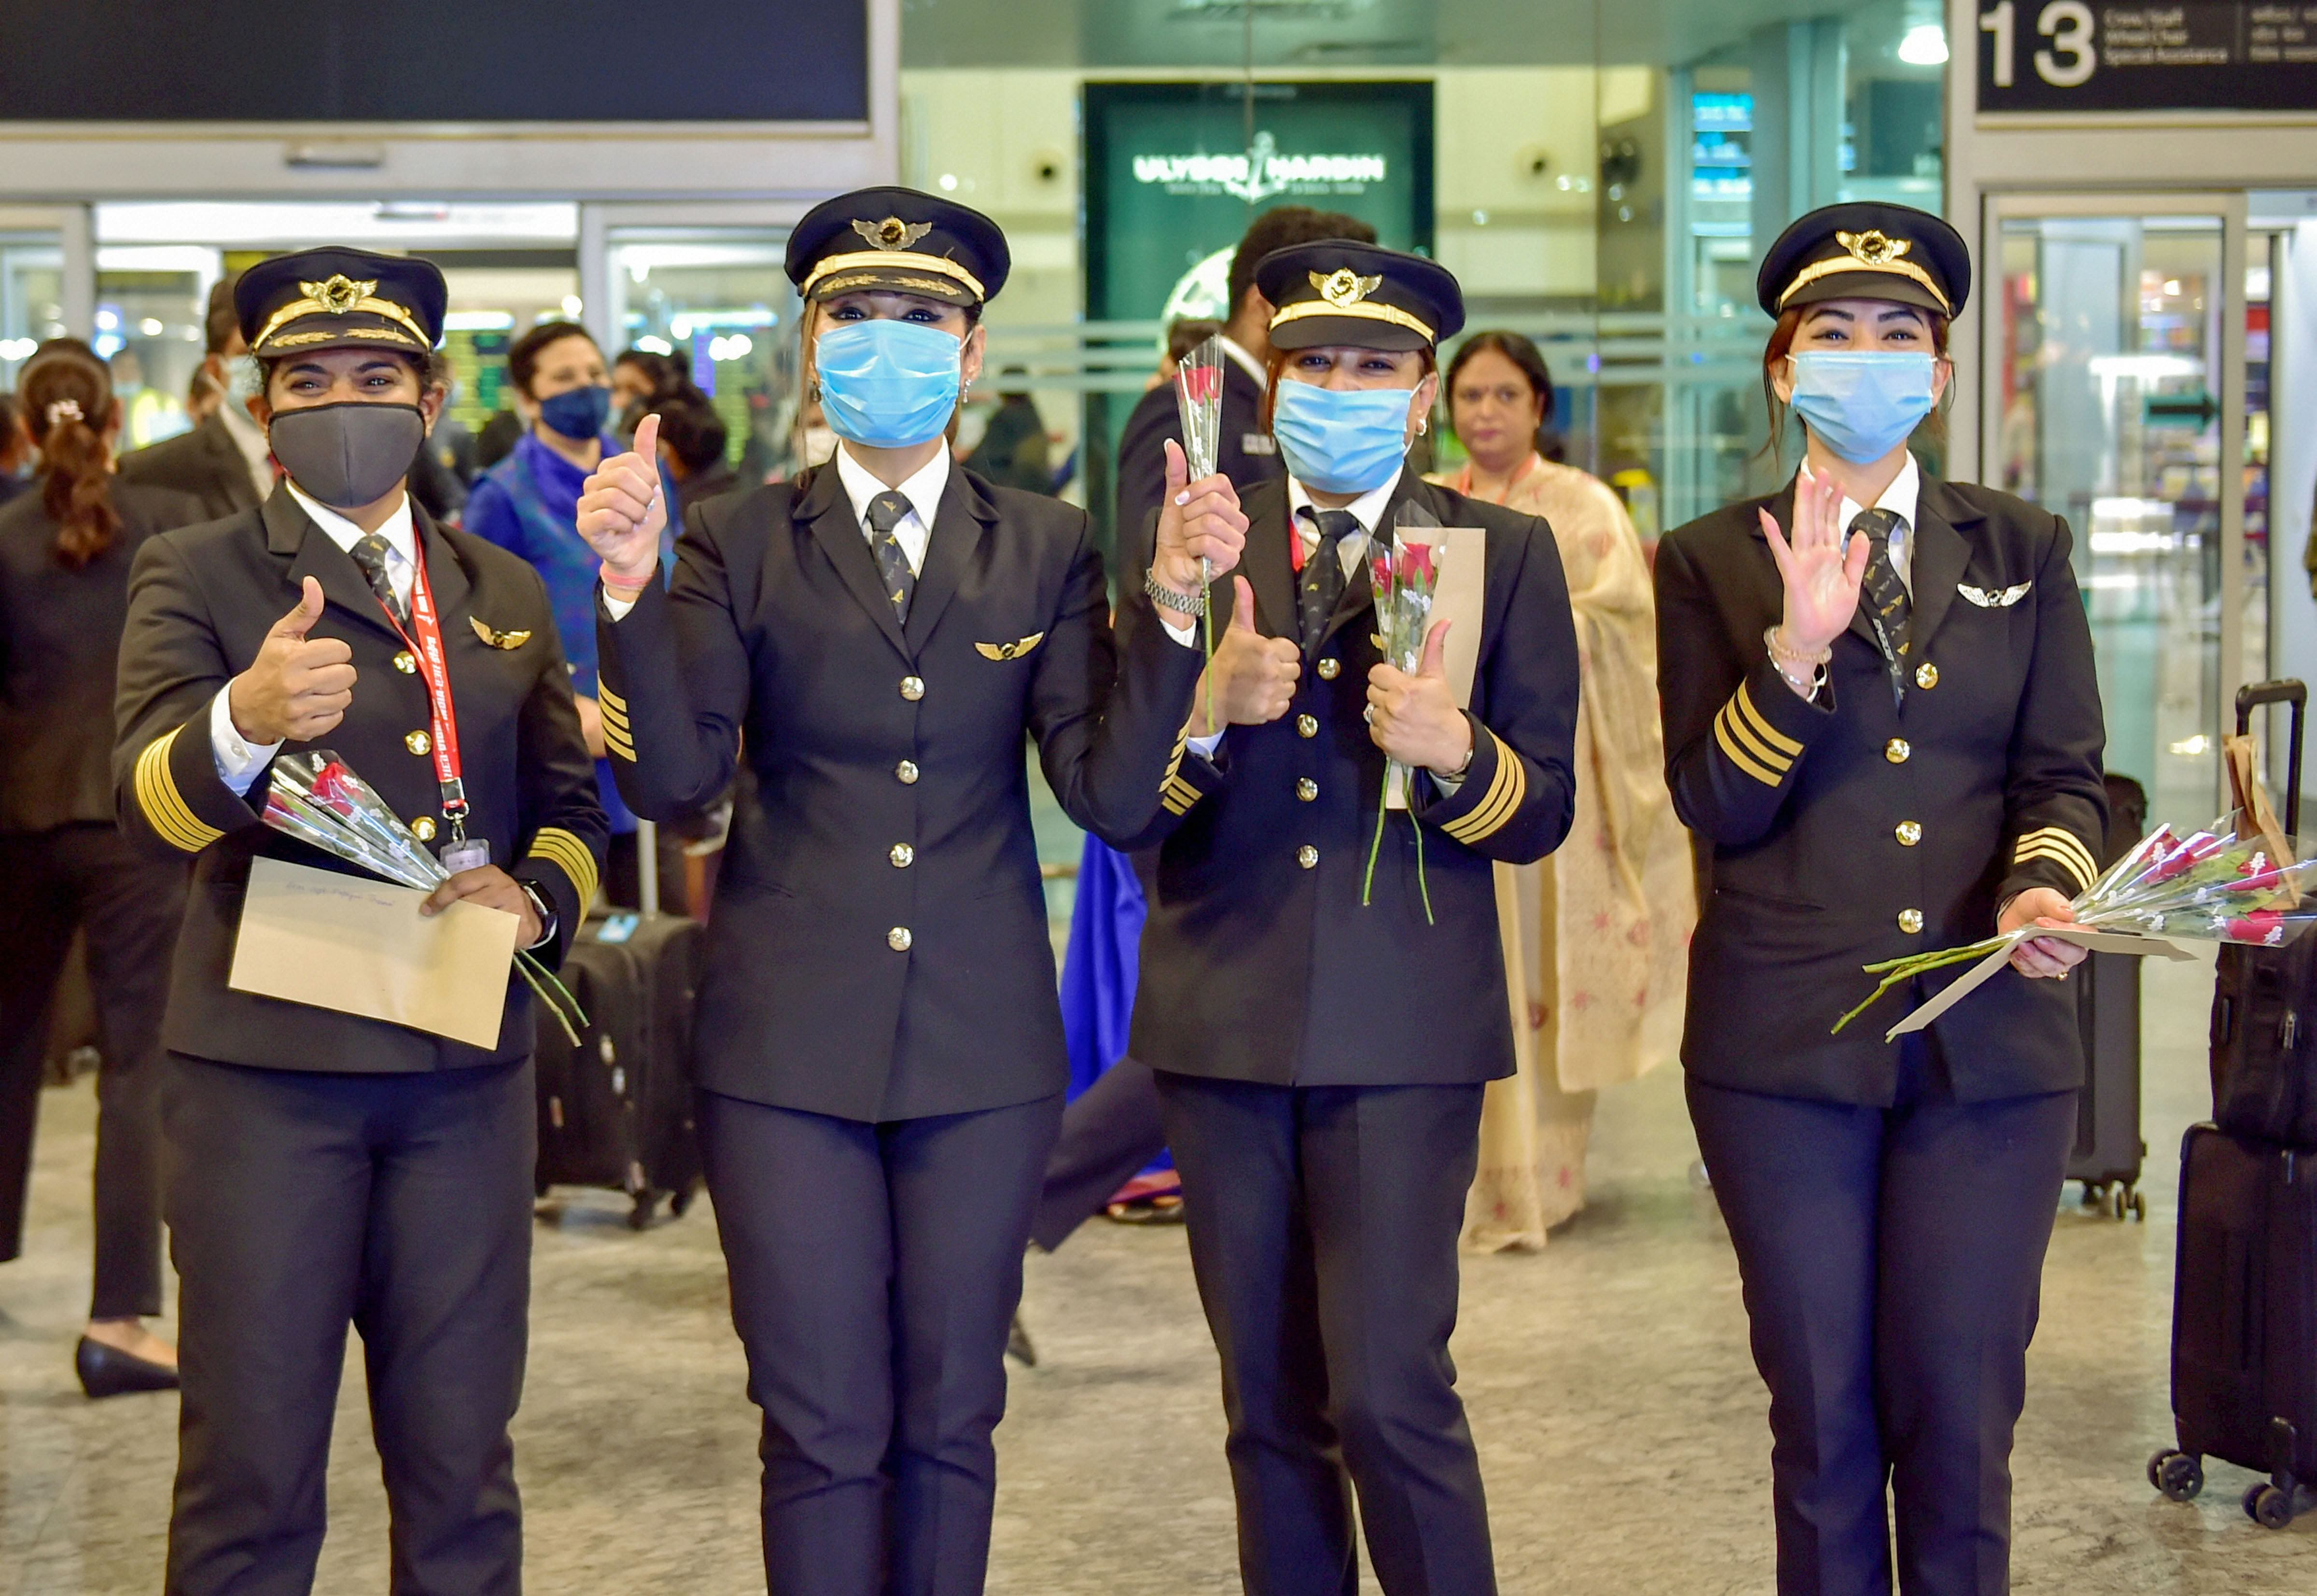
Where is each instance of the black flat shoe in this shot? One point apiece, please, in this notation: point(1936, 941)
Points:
point(1018, 1344)
point(108, 1371)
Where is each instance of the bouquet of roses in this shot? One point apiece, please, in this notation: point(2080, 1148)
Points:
point(1405, 575)
point(1199, 395)
point(316, 797)
point(2235, 881)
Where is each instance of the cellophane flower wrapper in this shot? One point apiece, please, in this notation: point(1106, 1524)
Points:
point(316, 797)
point(2222, 884)
point(1405, 577)
point(1199, 398)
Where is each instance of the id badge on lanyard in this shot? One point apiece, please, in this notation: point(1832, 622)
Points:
point(423, 637)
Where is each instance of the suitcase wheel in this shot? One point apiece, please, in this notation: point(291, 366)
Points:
point(2178, 1475)
point(681, 1202)
point(2268, 1507)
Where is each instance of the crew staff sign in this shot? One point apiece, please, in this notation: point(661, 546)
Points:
point(2210, 54)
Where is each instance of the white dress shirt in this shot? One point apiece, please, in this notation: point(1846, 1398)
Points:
point(1900, 498)
point(923, 489)
point(239, 761)
point(250, 439)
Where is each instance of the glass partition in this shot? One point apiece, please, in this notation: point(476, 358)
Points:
point(31, 296)
point(2108, 400)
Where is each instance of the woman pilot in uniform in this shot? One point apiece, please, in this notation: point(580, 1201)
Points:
point(325, 1169)
point(1880, 713)
point(880, 1053)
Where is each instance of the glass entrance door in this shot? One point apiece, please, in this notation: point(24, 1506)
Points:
point(2115, 396)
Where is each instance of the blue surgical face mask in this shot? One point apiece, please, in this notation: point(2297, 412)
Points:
point(1341, 440)
point(1861, 403)
point(888, 384)
point(578, 413)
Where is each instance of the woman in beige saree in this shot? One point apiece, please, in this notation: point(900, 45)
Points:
point(1596, 935)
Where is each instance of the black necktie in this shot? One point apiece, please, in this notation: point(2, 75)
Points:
point(885, 513)
point(1323, 587)
point(369, 553)
point(1885, 596)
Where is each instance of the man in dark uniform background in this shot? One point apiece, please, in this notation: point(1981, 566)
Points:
point(222, 462)
point(1321, 1042)
point(326, 1169)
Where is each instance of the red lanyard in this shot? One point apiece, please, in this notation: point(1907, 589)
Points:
point(427, 645)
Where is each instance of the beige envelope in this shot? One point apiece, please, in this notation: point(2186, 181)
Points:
point(360, 947)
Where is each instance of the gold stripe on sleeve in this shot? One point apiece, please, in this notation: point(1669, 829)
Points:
point(2068, 844)
point(1761, 726)
point(1768, 757)
point(612, 715)
point(610, 700)
point(166, 809)
point(1507, 789)
point(565, 851)
point(1738, 756)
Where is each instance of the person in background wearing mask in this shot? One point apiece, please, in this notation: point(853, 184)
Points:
point(641, 380)
point(879, 1051)
point(325, 1169)
point(222, 463)
point(1321, 1027)
point(815, 443)
point(65, 554)
point(1598, 936)
point(1882, 724)
point(528, 504)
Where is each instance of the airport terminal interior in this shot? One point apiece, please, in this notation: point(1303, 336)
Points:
point(2139, 356)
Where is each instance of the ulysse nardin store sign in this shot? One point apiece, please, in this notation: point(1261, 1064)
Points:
point(1261, 172)
point(2204, 55)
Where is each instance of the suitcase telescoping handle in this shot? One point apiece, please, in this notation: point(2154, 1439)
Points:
point(2252, 696)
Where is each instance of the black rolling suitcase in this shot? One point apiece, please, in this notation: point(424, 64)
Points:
point(2109, 1149)
point(2244, 1322)
point(2264, 1035)
point(616, 1110)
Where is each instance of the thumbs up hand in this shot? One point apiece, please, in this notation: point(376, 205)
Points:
point(1414, 719)
point(295, 689)
point(1254, 675)
point(623, 510)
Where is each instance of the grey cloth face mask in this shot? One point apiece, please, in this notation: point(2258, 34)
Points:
point(347, 455)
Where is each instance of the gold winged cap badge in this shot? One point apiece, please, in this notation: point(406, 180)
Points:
point(1874, 247)
point(1345, 286)
point(340, 294)
point(893, 233)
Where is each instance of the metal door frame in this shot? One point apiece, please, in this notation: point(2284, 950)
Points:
point(75, 231)
point(2230, 207)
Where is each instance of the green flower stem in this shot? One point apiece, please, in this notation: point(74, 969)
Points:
point(549, 990)
point(1423, 887)
point(1375, 843)
point(1914, 965)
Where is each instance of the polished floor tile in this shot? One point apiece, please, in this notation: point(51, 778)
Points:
point(1620, 1422)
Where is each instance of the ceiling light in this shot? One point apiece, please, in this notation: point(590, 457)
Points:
point(1925, 45)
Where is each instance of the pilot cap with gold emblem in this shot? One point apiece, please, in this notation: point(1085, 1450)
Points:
point(1340, 292)
point(340, 299)
point(901, 241)
point(1866, 251)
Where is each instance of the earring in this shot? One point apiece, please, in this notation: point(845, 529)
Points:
point(1422, 426)
point(813, 392)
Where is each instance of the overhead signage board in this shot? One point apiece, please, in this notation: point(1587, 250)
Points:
point(436, 61)
point(1172, 175)
point(2039, 56)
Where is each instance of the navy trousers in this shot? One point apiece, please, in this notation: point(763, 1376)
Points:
point(298, 1203)
point(1323, 1227)
point(1891, 1260)
point(875, 1269)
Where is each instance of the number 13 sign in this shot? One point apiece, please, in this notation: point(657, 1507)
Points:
point(2193, 55)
